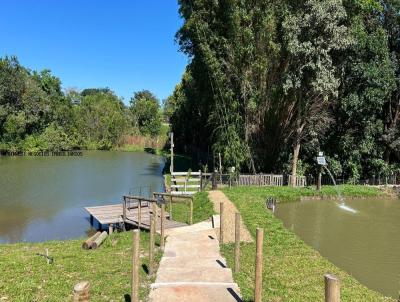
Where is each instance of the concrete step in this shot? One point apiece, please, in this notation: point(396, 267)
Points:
point(216, 221)
point(187, 261)
point(201, 226)
point(185, 274)
point(196, 293)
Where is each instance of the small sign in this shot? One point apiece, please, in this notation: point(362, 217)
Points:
point(321, 160)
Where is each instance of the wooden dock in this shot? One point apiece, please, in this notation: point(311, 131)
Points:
point(112, 214)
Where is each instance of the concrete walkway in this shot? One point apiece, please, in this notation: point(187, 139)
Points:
point(216, 198)
point(192, 268)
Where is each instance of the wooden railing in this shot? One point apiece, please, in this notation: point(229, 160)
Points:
point(186, 182)
point(169, 199)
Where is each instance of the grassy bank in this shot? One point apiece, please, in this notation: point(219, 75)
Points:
point(202, 209)
point(292, 271)
point(27, 277)
point(289, 194)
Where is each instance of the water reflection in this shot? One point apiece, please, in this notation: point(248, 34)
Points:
point(42, 198)
point(364, 243)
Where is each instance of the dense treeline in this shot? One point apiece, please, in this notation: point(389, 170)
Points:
point(271, 83)
point(36, 115)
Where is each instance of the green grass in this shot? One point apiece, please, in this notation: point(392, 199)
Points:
point(27, 277)
point(292, 271)
point(289, 194)
point(202, 209)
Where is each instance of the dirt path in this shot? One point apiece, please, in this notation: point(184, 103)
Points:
point(216, 198)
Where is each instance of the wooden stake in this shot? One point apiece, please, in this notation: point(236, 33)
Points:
point(259, 265)
point(151, 246)
point(139, 213)
point(47, 256)
point(221, 222)
point(332, 288)
point(81, 292)
point(110, 229)
point(170, 207)
point(191, 212)
point(135, 266)
point(237, 242)
point(162, 241)
point(155, 212)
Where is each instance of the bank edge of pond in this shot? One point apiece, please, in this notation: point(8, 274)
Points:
point(293, 271)
point(27, 277)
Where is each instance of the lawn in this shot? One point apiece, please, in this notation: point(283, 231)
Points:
point(202, 209)
point(292, 271)
point(27, 277)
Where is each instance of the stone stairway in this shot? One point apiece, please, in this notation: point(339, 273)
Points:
point(192, 268)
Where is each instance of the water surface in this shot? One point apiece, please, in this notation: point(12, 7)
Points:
point(365, 243)
point(42, 198)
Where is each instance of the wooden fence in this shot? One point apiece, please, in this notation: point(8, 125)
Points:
point(260, 180)
point(186, 183)
point(301, 181)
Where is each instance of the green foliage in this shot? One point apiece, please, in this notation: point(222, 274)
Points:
point(36, 115)
point(266, 78)
point(145, 109)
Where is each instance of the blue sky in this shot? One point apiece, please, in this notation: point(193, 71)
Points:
point(126, 45)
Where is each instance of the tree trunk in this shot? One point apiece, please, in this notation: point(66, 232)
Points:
point(296, 151)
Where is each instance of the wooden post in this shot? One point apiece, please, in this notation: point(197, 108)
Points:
point(237, 242)
point(170, 207)
point(171, 168)
point(221, 222)
point(47, 256)
point(201, 180)
point(135, 266)
point(319, 181)
point(139, 213)
point(151, 245)
point(259, 265)
point(162, 241)
point(214, 185)
point(124, 213)
point(220, 167)
point(81, 292)
point(155, 213)
point(191, 212)
point(110, 229)
point(332, 288)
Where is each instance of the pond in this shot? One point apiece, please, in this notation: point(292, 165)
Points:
point(42, 198)
point(364, 242)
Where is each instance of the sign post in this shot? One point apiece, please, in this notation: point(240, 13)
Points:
point(321, 162)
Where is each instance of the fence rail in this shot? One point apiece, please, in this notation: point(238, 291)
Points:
point(260, 180)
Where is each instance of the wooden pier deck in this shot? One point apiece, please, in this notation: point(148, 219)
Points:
point(112, 214)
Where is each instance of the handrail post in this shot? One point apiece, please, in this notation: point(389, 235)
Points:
point(162, 241)
point(139, 213)
point(124, 213)
point(135, 266)
point(259, 265)
point(151, 245)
